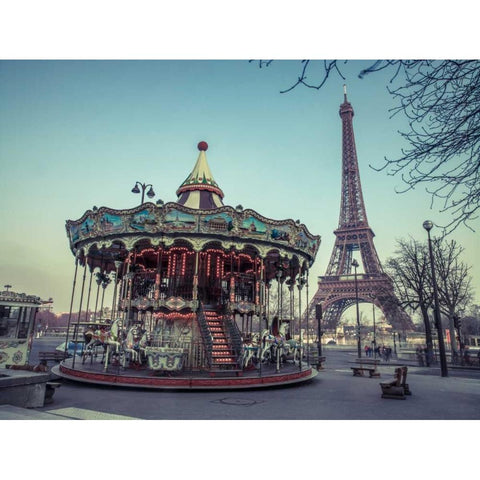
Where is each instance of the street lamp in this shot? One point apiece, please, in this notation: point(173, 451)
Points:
point(143, 186)
point(355, 265)
point(374, 328)
point(428, 225)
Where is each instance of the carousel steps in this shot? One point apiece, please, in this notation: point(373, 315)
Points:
point(222, 353)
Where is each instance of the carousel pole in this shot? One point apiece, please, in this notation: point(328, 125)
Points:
point(292, 306)
point(130, 289)
point(308, 321)
point(77, 254)
point(279, 314)
point(261, 311)
point(98, 293)
point(104, 286)
point(89, 291)
point(125, 287)
point(79, 315)
point(300, 283)
point(118, 264)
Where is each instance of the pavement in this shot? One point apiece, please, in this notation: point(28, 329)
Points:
point(334, 394)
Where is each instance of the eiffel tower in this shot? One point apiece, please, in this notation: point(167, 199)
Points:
point(336, 290)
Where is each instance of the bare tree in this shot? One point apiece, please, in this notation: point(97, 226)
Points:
point(453, 282)
point(441, 101)
point(409, 270)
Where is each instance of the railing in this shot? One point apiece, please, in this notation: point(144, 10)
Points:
point(206, 334)
point(234, 337)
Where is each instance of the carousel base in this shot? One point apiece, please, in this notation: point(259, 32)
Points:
point(117, 376)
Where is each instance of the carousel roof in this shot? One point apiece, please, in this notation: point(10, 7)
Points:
point(200, 190)
point(198, 216)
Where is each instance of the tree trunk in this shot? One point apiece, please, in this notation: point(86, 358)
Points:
point(453, 335)
point(428, 336)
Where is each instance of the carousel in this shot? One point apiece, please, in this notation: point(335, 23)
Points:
point(204, 295)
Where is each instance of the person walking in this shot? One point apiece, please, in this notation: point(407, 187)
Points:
point(419, 354)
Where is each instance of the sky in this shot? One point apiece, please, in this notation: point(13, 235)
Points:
point(79, 133)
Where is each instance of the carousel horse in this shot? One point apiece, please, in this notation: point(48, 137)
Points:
point(112, 340)
point(250, 351)
point(279, 348)
point(131, 347)
point(109, 339)
point(267, 341)
point(142, 345)
point(93, 339)
point(295, 349)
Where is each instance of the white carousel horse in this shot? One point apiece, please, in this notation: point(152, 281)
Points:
point(92, 340)
point(105, 338)
point(267, 340)
point(295, 349)
point(130, 345)
point(250, 351)
point(279, 347)
point(112, 340)
point(143, 344)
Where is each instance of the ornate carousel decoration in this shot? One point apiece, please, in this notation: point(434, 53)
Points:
point(191, 283)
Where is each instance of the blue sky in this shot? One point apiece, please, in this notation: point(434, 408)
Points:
point(74, 134)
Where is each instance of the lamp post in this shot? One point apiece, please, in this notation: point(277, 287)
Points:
point(374, 328)
point(319, 315)
point(355, 265)
point(394, 344)
point(143, 186)
point(300, 283)
point(428, 225)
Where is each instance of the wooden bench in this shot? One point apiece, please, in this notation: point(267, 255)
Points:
point(366, 365)
point(398, 388)
point(320, 362)
point(55, 356)
point(50, 390)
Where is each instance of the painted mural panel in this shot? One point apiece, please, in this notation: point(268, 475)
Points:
point(74, 233)
point(219, 222)
point(306, 244)
point(87, 227)
point(281, 234)
point(143, 221)
point(111, 223)
point(178, 220)
point(253, 226)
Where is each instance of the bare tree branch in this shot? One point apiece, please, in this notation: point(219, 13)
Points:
point(441, 101)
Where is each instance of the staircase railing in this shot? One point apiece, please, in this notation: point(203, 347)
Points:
point(206, 334)
point(234, 337)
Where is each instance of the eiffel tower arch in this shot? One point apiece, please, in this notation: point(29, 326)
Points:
point(336, 289)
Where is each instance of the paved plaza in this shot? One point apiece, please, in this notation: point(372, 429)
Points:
point(334, 394)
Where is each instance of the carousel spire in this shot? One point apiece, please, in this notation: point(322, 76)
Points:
point(200, 190)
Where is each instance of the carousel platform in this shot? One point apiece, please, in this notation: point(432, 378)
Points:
point(117, 376)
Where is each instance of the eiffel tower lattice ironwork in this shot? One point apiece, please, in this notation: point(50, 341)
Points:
point(336, 290)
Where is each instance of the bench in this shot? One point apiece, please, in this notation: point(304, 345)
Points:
point(50, 390)
point(320, 362)
point(366, 365)
point(55, 356)
point(398, 388)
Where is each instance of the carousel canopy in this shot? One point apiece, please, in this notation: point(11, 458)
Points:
point(200, 190)
point(197, 217)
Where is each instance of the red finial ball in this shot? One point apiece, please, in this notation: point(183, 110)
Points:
point(203, 146)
